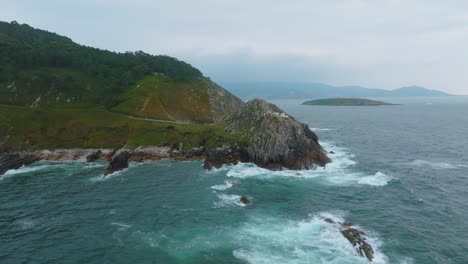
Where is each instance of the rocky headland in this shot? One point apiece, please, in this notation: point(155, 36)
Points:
point(272, 139)
point(267, 136)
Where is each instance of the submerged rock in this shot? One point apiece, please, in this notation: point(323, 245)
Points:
point(244, 200)
point(273, 140)
point(119, 162)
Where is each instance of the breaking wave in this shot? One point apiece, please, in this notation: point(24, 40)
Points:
point(228, 200)
point(321, 129)
point(435, 165)
point(265, 240)
point(24, 169)
point(222, 187)
point(339, 171)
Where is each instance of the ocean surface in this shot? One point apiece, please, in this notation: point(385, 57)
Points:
point(400, 173)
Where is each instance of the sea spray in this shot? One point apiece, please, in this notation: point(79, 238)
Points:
point(340, 171)
point(267, 239)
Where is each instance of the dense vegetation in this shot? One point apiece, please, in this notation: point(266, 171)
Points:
point(26, 52)
point(345, 102)
point(55, 93)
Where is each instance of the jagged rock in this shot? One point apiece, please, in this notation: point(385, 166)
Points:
point(94, 156)
point(275, 140)
point(119, 162)
point(356, 237)
point(331, 152)
point(244, 200)
point(358, 240)
point(12, 161)
point(225, 155)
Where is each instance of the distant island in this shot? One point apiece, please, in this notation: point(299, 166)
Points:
point(304, 90)
point(346, 102)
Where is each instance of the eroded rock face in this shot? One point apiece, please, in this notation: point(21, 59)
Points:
point(119, 162)
point(275, 140)
point(226, 155)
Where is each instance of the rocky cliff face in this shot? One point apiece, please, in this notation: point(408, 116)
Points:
point(272, 138)
point(222, 102)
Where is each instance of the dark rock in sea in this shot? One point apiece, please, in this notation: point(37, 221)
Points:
point(94, 156)
point(226, 155)
point(12, 161)
point(331, 152)
point(274, 140)
point(358, 240)
point(356, 237)
point(119, 162)
point(244, 200)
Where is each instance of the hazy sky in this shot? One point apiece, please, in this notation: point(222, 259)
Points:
point(384, 44)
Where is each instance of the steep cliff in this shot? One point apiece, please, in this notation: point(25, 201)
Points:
point(272, 139)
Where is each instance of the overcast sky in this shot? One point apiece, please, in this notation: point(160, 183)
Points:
point(381, 44)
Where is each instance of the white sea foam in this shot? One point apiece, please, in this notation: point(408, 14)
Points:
point(222, 187)
point(321, 129)
point(272, 240)
point(378, 179)
point(94, 165)
point(108, 177)
point(24, 169)
point(228, 200)
point(340, 171)
point(121, 226)
point(435, 165)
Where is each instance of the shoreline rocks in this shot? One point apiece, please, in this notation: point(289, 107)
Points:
point(266, 136)
point(118, 162)
point(14, 160)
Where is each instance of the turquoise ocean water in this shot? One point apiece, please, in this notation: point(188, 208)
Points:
point(400, 173)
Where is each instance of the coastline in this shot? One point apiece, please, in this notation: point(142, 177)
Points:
point(15, 160)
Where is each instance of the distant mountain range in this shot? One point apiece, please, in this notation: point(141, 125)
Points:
point(290, 90)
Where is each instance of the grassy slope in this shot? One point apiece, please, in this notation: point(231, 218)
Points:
point(345, 102)
point(159, 97)
point(24, 129)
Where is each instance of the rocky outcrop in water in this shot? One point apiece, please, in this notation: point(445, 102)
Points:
point(94, 156)
point(358, 240)
point(244, 200)
point(273, 140)
point(118, 162)
point(356, 237)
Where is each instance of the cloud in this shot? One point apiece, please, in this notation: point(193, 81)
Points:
point(374, 43)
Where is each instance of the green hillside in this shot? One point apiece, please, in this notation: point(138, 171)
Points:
point(57, 93)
